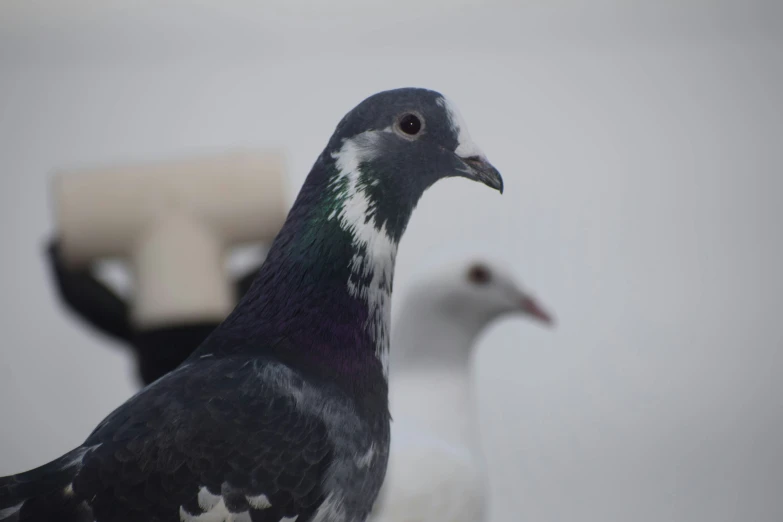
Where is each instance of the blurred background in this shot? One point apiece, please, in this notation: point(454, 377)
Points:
point(642, 148)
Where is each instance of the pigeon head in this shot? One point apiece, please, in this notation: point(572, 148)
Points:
point(444, 314)
point(394, 145)
point(325, 288)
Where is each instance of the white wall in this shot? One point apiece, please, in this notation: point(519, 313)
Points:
point(642, 152)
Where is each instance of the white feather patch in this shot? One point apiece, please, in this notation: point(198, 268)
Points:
point(365, 460)
point(215, 510)
point(376, 250)
point(206, 500)
point(259, 502)
point(330, 510)
point(466, 147)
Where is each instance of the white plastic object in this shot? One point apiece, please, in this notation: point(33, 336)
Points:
point(174, 221)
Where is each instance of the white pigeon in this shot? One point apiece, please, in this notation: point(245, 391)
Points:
point(436, 468)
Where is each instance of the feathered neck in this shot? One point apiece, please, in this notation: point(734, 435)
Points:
point(432, 372)
point(321, 301)
point(432, 331)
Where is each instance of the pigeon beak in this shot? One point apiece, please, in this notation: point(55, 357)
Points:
point(532, 308)
point(479, 169)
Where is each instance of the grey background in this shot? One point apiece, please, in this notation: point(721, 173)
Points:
point(642, 147)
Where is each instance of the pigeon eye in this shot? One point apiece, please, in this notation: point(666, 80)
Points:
point(410, 124)
point(479, 274)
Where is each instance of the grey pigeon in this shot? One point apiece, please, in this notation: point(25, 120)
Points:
point(282, 412)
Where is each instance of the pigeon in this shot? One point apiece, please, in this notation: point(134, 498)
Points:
point(282, 413)
point(435, 469)
point(157, 350)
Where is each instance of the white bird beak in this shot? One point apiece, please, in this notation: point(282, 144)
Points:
point(531, 307)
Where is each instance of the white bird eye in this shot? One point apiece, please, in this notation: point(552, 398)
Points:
point(479, 274)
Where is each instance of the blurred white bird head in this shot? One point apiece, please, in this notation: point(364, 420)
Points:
point(480, 291)
point(442, 314)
